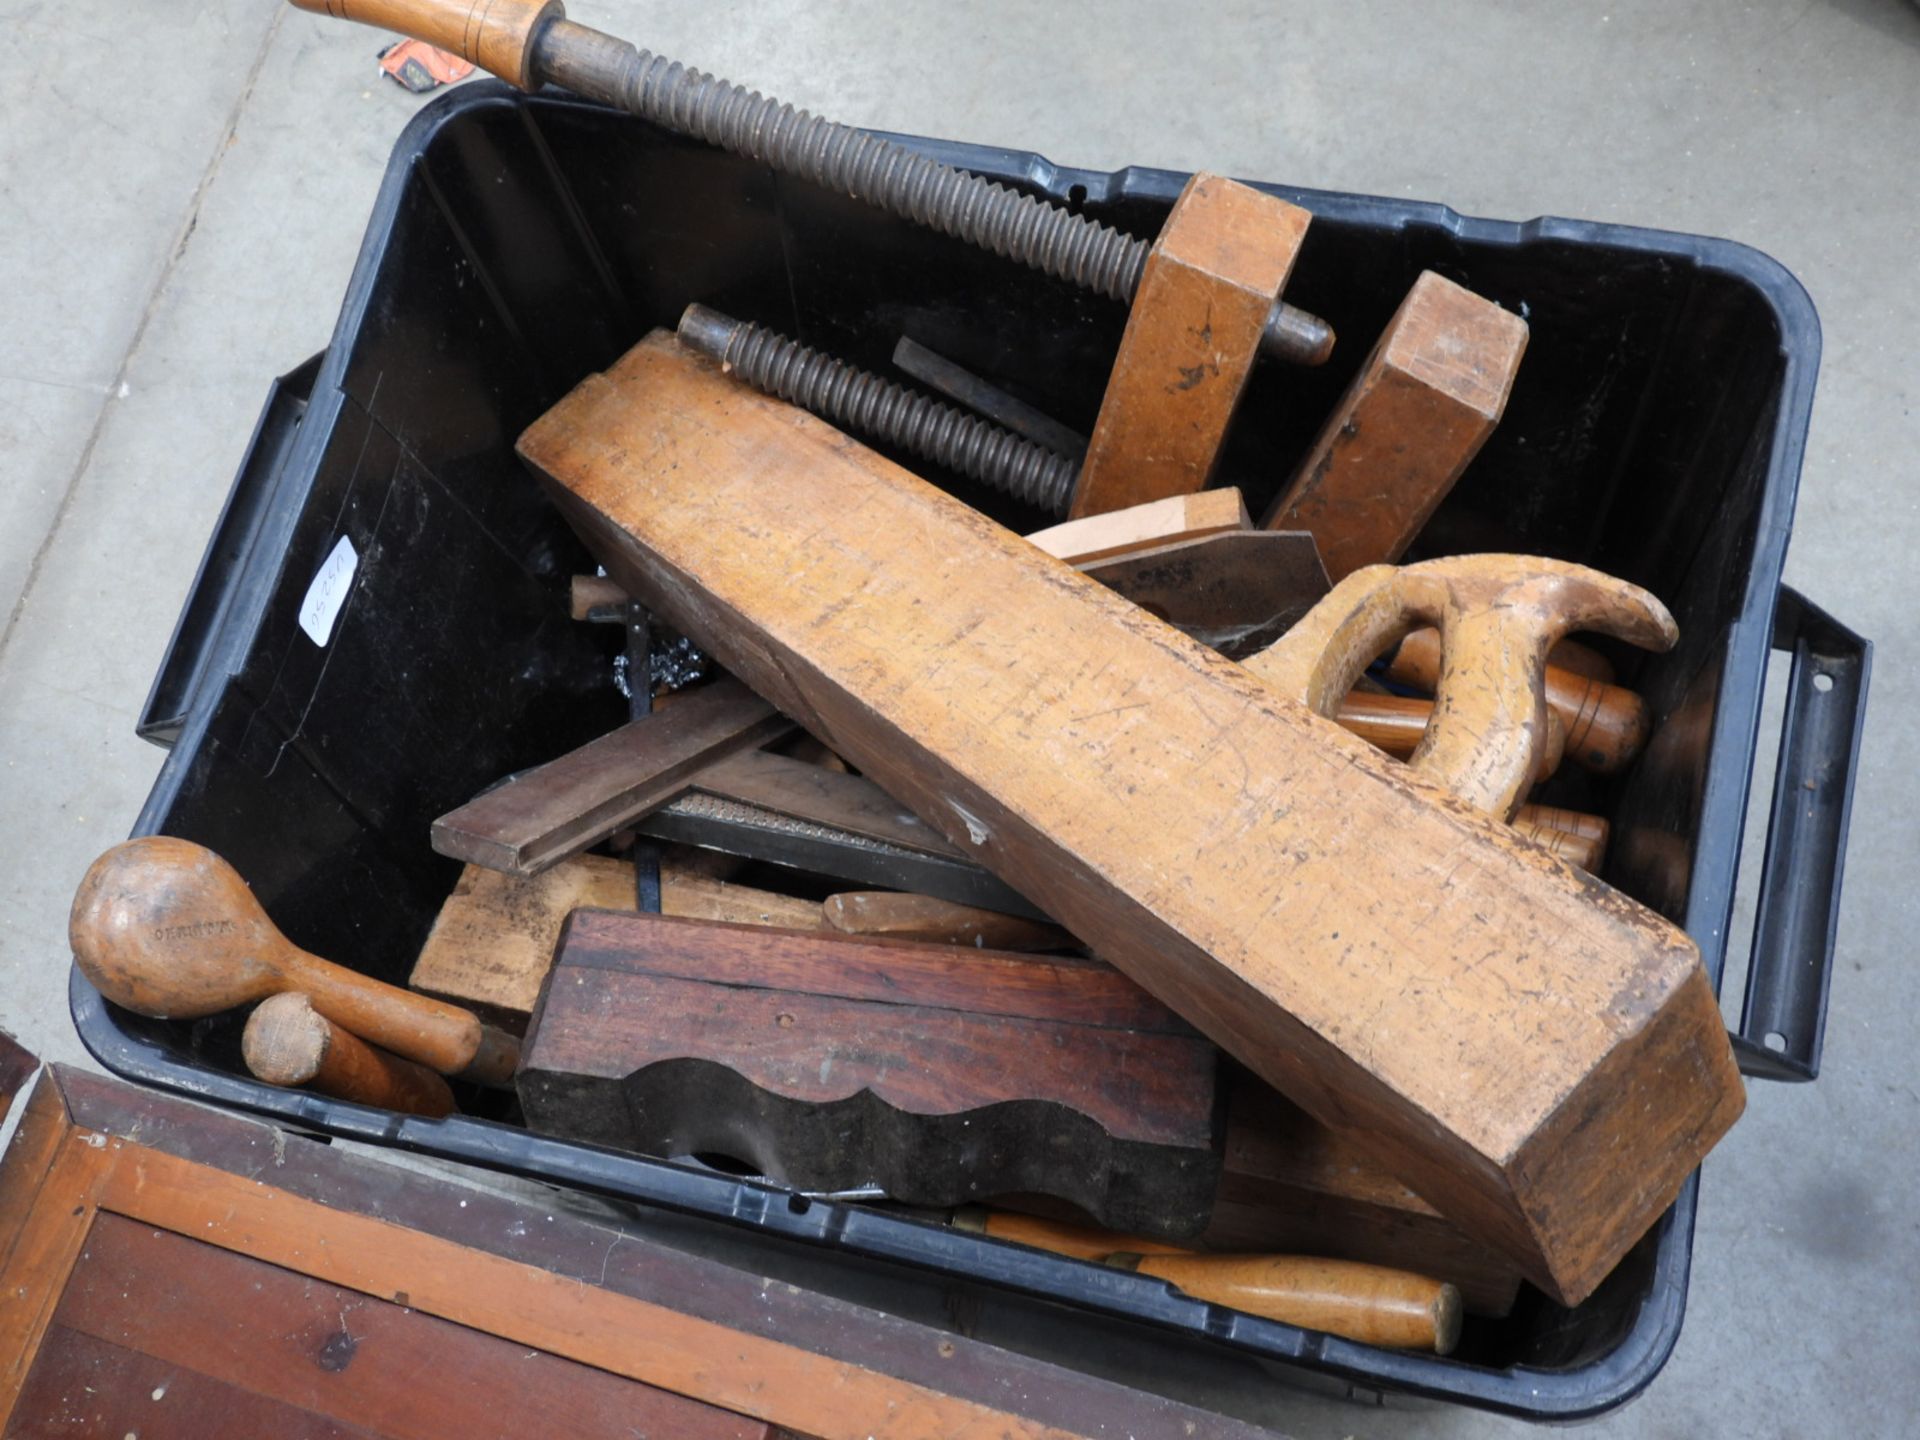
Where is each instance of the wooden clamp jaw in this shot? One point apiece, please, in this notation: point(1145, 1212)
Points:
point(1191, 342)
point(1498, 615)
point(496, 35)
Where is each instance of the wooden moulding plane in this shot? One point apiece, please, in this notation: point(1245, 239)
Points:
point(1534, 1053)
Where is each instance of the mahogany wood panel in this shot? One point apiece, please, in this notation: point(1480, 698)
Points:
point(830, 1061)
point(1535, 1053)
point(1190, 345)
point(542, 816)
point(544, 1280)
point(85, 1388)
point(351, 1357)
point(1425, 402)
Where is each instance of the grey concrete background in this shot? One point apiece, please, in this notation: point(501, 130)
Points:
point(183, 188)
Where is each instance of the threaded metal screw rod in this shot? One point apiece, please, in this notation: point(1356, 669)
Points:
point(882, 410)
point(1033, 232)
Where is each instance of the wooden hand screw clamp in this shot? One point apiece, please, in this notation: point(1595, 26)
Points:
point(164, 927)
point(1428, 397)
point(531, 43)
point(1534, 1053)
point(1190, 345)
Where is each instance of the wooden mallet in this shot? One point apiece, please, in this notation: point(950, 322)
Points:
point(166, 928)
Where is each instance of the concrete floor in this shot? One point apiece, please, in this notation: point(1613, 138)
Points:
point(183, 188)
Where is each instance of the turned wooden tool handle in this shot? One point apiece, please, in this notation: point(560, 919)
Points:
point(1369, 1303)
point(1397, 724)
point(1606, 724)
point(289, 1043)
point(1497, 616)
point(496, 35)
point(164, 927)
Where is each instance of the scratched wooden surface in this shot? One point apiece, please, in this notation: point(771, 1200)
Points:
point(1536, 1054)
point(1428, 397)
point(1191, 343)
point(270, 1284)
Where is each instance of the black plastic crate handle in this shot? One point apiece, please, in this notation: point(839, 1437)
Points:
point(184, 671)
point(1784, 1018)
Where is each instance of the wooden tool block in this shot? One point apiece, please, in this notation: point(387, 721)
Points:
point(1191, 342)
point(1289, 1184)
point(1142, 527)
point(1236, 592)
point(1419, 411)
point(493, 941)
point(539, 818)
point(942, 1074)
point(1536, 1055)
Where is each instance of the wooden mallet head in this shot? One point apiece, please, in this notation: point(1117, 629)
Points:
point(165, 927)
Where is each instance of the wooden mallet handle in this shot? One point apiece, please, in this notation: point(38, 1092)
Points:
point(166, 928)
point(289, 1043)
point(496, 35)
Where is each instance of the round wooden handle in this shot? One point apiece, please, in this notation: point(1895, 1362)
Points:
point(496, 35)
point(164, 927)
point(1369, 1303)
point(1398, 723)
point(287, 1042)
point(1498, 614)
point(1606, 724)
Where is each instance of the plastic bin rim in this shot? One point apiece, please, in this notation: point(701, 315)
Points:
point(1577, 1393)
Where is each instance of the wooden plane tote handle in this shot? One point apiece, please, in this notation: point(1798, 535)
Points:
point(1497, 616)
point(496, 35)
point(166, 928)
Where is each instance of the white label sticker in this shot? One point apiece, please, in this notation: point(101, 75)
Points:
point(329, 592)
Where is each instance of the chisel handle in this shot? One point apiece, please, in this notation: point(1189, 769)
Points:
point(1395, 723)
point(1579, 839)
point(1374, 1304)
point(1606, 724)
point(496, 35)
point(289, 1043)
point(166, 928)
point(1369, 1303)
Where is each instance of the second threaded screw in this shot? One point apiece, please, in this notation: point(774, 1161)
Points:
point(849, 396)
